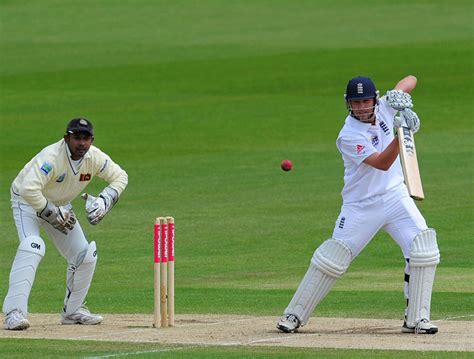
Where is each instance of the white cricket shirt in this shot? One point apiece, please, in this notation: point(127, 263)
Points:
point(53, 176)
point(356, 142)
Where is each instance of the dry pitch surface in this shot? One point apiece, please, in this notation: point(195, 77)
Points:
point(198, 330)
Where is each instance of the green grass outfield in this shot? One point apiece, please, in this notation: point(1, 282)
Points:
point(88, 349)
point(199, 101)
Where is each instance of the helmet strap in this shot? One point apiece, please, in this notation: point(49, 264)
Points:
point(372, 115)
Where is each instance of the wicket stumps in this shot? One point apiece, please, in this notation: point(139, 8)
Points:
point(163, 315)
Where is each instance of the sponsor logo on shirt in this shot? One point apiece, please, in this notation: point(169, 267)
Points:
point(46, 167)
point(384, 127)
point(341, 222)
point(61, 178)
point(85, 177)
point(375, 140)
point(104, 166)
point(360, 149)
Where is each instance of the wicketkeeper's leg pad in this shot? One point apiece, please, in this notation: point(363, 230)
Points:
point(22, 275)
point(79, 279)
point(424, 257)
point(330, 261)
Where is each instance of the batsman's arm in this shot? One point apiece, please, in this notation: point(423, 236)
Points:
point(384, 160)
point(407, 84)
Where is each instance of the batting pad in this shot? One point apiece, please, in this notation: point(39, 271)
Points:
point(424, 257)
point(330, 261)
point(79, 280)
point(22, 275)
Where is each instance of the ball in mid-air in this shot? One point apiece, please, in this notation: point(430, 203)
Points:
point(286, 165)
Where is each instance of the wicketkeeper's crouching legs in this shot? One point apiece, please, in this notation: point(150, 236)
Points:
point(78, 281)
point(329, 262)
point(424, 257)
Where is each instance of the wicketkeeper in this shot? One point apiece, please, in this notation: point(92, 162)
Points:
point(374, 197)
point(41, 196)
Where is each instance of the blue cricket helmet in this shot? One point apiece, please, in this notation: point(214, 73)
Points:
point(361, 88)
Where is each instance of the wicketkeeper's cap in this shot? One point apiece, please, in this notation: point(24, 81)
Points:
point(80, 125)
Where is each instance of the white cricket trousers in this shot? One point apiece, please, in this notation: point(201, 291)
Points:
point(70, 245)
point(395, 212)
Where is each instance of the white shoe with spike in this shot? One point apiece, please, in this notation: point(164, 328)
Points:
point(16, 320)
point(81, 316)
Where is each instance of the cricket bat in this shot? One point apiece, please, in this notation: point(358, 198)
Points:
point(409, 161)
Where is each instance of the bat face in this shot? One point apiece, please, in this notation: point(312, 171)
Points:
point(409, 162)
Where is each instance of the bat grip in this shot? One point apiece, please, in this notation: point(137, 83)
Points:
point(402, 118)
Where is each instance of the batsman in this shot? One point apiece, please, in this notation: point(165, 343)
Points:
point(41, 197)
point(374, 197)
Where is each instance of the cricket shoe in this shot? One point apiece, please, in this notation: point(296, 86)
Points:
point(288, 323)
point(15, 320)
point(81, 316)
point(424, 326)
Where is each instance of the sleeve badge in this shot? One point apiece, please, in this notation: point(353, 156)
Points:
point(46, 167)
point(61, 178)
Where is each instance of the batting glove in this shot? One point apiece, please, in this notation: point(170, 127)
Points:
point(408, 119)
point(397, 122)
point(399, 100)
point(412, 120)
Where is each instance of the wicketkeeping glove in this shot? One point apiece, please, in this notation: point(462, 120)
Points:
point(399, 100)
point(98, 207)
point(61, 218)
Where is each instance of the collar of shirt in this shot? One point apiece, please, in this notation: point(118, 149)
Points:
point(87, 155)
point(75, 164)
point(359, 125)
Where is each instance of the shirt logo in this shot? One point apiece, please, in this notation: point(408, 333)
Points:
point(360, 88)
point(104, 166)
point(61, 178)
point(384, 127)
point(359, 149)
point(341, 222)
point(85, 177)
point(375, 140)
point(46, 167)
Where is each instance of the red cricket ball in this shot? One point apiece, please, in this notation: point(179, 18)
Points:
point(286, 165)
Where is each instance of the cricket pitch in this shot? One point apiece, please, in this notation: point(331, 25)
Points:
point(216, 330)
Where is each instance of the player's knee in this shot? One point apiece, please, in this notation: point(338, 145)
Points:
point(33, 244)
point(332, 257)
point(424, 251)
point(87, 256)
point(91, 254)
